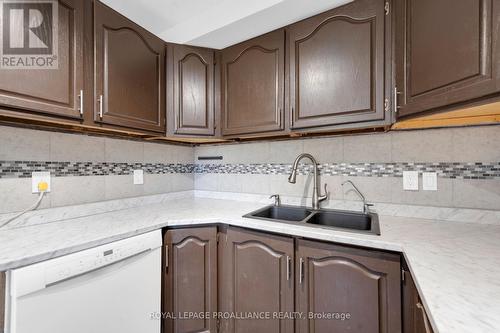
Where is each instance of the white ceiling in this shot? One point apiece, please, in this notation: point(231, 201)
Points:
point(217, 23)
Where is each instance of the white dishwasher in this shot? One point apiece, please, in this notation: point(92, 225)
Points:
point(111, 288)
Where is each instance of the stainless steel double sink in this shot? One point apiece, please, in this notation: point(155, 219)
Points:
point(366, 223)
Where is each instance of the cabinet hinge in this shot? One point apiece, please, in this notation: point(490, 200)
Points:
point(387, 8)
point(218, 237)
point(386, 105)
point(402, 275)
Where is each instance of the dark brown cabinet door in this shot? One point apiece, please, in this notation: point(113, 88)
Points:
point(447, 52)
point(415, 319)
point(191, 279)
point(336, 279)
point(338, 66)
point(130, 73)
point(193, 85)
point(253, 85)
point(256, 277)
point(54, 91)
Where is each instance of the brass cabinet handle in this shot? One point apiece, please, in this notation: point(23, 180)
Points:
point(424, 316)
point(301, 270)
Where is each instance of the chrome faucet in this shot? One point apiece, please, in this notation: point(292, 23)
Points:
point(317, 197)
point(277, 200)
point(366, 206)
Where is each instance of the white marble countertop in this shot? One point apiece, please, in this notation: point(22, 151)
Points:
point(456, 266)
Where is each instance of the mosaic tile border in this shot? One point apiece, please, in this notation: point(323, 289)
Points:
point(459, 170)
point(443, 169)
point(23, 169)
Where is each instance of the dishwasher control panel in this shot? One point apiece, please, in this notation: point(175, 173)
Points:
point(41, 275)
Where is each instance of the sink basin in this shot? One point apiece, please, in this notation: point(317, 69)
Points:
point(281, 213)
point(346, 220)
point(323, 218)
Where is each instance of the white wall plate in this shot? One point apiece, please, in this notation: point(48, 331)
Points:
point(410, 180)
point(38, 177)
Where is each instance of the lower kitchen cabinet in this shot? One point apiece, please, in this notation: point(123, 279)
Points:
point(190, 281)
point(266, 283)
point(336, 279)
point(255, 277)
point(415, 318)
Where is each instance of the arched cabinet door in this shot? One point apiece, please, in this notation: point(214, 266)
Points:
point(364, 285)
point(55, 91)
point(193, 90)
point(338, 68)
point(253, 85)
point(256, 277)
point(130, 73)
point(190, 283)
point(446, 52)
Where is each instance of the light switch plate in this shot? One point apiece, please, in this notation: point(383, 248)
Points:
point(410, 180)
point(429, 181)
point(38, 177)
point(138, 177)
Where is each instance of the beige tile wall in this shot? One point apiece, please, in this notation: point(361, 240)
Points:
point(30, 145)
point(474, 144)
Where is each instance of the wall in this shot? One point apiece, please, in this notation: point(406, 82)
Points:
point(86, 168)
point(91, 169)
point(466, 159)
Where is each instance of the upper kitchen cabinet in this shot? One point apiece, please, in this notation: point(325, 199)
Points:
point(365, 284)
point(253, 75)
point(339, 67)
point(55, 88)
point(447, 52)
point(192, 106)
point(129, 73)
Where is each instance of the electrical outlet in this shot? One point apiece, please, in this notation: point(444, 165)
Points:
point(138, 177)
point(37, 178)
point(429, 181)
point(410, 180)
